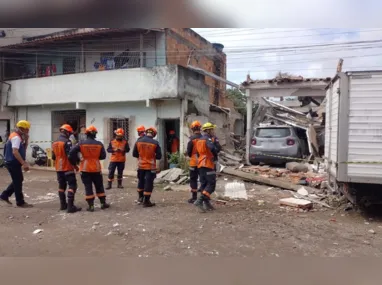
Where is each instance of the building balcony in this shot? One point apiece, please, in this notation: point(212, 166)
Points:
point(122, 85)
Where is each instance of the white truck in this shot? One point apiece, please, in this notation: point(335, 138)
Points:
point(353, 135)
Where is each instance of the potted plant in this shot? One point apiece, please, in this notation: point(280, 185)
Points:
point(173, 160)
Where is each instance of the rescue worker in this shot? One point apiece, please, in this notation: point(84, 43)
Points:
point(148, 151)
point(141, 131)
point(207, 157)
point(15, 162)
point(216, 142)
point(118, 148)
point(92, 152)
point(65, 170)
point(173, 142)
point(192, 154)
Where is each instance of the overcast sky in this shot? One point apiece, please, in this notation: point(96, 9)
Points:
point(243, 54)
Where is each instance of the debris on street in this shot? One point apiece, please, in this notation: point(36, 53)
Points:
point(297, 203)
point(235, 190)
point(38, 231)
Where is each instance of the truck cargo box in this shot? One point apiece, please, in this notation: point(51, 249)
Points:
point(353, 134)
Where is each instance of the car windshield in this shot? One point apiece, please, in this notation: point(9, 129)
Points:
point(273, 132)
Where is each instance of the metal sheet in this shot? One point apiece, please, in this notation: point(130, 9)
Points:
point(331, 127)
point(365, 125)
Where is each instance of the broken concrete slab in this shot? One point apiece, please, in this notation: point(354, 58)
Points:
point(167, 188)
point(296, 203)
point(302, 191)
point(171, 175)
point(181, 180)
point(163, 173)
point(296, 167)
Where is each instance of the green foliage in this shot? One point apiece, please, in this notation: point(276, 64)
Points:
point(238, 99)
point(183, 163)
point(174, 158)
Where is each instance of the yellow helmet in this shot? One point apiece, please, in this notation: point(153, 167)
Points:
point(23, 124)
point(208, 126)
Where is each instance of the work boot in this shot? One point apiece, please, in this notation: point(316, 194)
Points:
point(109, 184)
point(120, 184)
point(72, 208)
point(208, 205)
point(147, 203)
point(63, 204)
point(90, 206)
point(6, 201)
point(104, 205)
point(199, 203)
point(140, 198)
point(25, 205)
point(193, 198)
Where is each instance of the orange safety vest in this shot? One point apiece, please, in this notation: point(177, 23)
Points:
point(194, 155)
point(205, 156)
point(90, 158)
point(118, 156)
point(147, 154)
point(62, 162)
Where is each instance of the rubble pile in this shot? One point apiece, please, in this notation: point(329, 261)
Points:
point(226, 158)
point(308, 178)
point(173, 175)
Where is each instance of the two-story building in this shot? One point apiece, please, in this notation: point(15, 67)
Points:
point(110, 78)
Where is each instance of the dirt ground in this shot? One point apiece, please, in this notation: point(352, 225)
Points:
point(175, 228)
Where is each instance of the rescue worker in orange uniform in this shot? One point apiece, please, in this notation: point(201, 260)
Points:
point(173, 142)
point(141, 131)
point(118, 148)
point(148, 151)
point(65, 170)
point(207, 158)
point(192, 154)
point(92, 152)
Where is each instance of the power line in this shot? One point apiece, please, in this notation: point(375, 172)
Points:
point(299, 36)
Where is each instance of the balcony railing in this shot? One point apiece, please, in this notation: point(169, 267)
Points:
point(50, 64)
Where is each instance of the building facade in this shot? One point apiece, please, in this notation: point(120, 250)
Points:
point(110, 78)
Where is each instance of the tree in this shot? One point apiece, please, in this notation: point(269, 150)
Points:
point(238, 99)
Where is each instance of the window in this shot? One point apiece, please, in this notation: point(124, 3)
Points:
point(116, 123)
point(273, 132)
point(69, 65)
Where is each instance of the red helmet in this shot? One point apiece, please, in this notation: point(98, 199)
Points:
point(119, 132)
point(196, 125)
point(152, 131)
point(67, 128)
point(91, 129)
point(141, 129)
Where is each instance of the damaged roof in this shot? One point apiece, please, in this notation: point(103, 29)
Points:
point(285, 79)
point(69, 34)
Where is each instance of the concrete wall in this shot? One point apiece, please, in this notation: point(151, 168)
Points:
point(135, 84)
point(182, 44)
point(98, 114)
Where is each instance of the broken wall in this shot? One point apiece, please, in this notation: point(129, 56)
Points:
point(185, 46)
